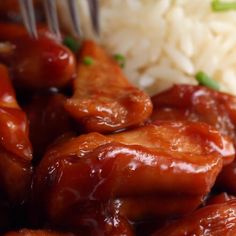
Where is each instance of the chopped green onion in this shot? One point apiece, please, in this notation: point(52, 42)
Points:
point(71, 43)
point(120, 60)
point(88, 61)
point(217, 5)
point(205, 80)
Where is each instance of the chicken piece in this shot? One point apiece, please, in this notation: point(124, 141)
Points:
point(13, 122)
point(181, 137)
point(142, 162)
point(103, 99)
point(28, 232)
point(37, 63)
point(15, 147)
point(214, 220)
point(196, 103)
point(47, 120)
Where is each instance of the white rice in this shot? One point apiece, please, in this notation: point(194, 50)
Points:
point(168, 41)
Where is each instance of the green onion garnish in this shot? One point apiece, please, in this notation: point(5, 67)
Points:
point(88, 61)
point(205, 80)
point(120, 60)
point(217, 5)
point(71, 43)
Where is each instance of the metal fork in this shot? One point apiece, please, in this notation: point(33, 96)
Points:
point(28, 14)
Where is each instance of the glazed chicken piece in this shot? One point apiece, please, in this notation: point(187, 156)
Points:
point(15, 147)
point(195, 103)
point(47, 121)
point(37, 64)
point(212, 220)
point(27, 232)
point(178, 161)
point(103, 99)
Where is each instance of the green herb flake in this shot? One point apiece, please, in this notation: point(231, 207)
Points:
point(220, 6)
point(88, 60)
point(71, 43)
point(205, 80)
point(120, 60)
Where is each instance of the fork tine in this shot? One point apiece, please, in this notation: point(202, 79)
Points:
point(52, 18)
point(94, 14)
point(73, 9)
point(27, 11)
